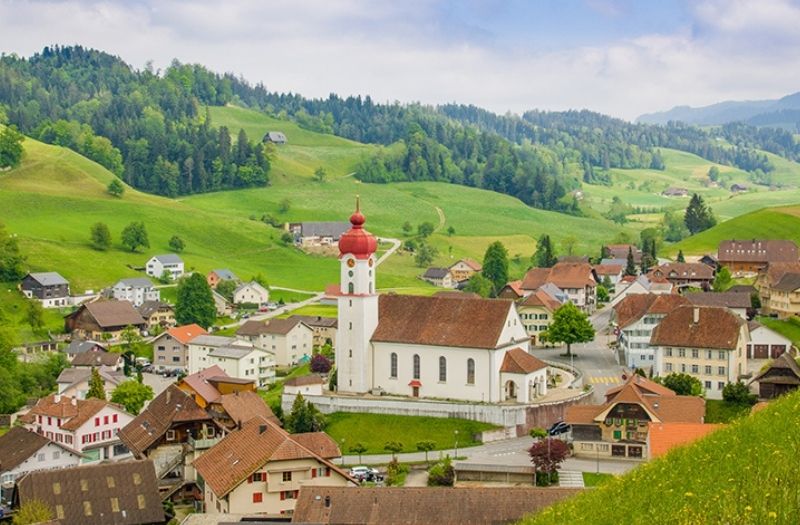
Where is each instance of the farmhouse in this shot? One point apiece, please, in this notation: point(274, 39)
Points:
point(706, 342)
point(251, 293)
point(169, 263)
point(675, 192)
point(439, 277)
point(49, 288)
point(92, 320)
point(274, 137)
point(324, 328)
point(317, 233)
point(171, 348)
point(136, 290)
point(157, 314)
point(577, 280)
point(215, 276)
point(426, 346)
point(770, 276)
point(464, 269)
point(98, 357)
point(781, 377)
point(693, 275)
point(77, 346)
point(289, 340)
point(739, 303)
point(23, 451)
point(784, 296)
point(754, 255)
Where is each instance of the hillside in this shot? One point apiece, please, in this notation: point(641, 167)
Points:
point(745, 473)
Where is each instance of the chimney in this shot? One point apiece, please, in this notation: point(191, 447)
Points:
point(327, 501)
point(696, 315)
point(262, 429)
point(57, 398)
point(74, 401)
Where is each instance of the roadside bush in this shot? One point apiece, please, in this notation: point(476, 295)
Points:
point(442, 474)
point(538, 432)
point(396, 473)
point(738, 394)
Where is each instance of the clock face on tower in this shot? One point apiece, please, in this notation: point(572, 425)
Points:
point(370, 263)
point(351, 262)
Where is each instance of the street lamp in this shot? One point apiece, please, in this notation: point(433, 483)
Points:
point(456, 448)
point(343, 451)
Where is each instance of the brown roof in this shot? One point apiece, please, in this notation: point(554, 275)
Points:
point(620, 251)
point(422, 505)
point(17, 445)
point(474, 265)
point(319, 443)
point(124, 493)
point(455, 294)
point(244, 406)
point(109, 314)
point(788, 283)
point(534, 278)
point(316, 321)
point(788, 371)
point(608, 269)
point(541, 298)
point(645, 386)
point(720, 299)
point(663, 437)
point(436, 321)
point(717, 328)
point(518, 361)
point(775, 271)
point(184, 334)
point(635, 306)
point(199, 382)
point(272, 326)
point(172, 406)
point(243, 451)
point(757, 250)
point(563, 275)
point(308, 379)
point(96, 357)
point(676, 270)
point(514, 287)
point(62, 407)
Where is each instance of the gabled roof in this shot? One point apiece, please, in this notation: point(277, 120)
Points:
point(242, 452)
point(473, 265)
point(717, 328)
point(215, 341)
point(720, 299)
point(48, 278)
point(635, 306)
point(97, 358)
point(19, 444)
point(184, 334)
point(541, 298)
point(76, 346)
point(757, 250)
point(423, 505)
point(676, 270)
point(319, 443)
point(110, 314)
point(562, 274)
point(620, 251)
point(252, 284)
point(643, 385)
point(790, 282)
point(93, 494)
point(232, 352)
point(271, 326)
point(518, 361)
point(663, 437)
point(438, 321)
point(308, 379)
point(317, 321)
point(789, 371)
point(199, 382)
point(148, 308)
point(172, 406)
point(243, 406)
point(436, 273)
point(75, 412)
point(775, 271)
point(73, 376)
point(135, 282)
point(168, 258)
point(534, 278)
point(516, 287)
point(609, 269)
point(225, 274)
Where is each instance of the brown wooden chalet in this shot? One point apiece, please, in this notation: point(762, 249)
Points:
point(92, 320)
point(781, 377)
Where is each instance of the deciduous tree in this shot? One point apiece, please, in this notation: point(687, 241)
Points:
point(426, 445)
point(132, 395)
point(10, 147)
point(320, 364)
point(358, 448)
point(35, 315)
point(569, 326)
point(195, 303)
point(546, 456)
point(100, 236)
point(480, 285)
point(134, 236)
point(176, 244)
point(425, 229)
point(682, 384)
point(115, 188)
point(495, 266)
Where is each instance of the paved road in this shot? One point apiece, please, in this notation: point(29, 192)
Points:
point(275, 313)
point(396, 243)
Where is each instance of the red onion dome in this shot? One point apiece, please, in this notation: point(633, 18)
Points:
point(357, 241)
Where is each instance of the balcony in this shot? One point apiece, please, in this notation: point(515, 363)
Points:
point(203, 444)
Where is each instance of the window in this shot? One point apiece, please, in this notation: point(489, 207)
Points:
point(114, 504)
point(57, 488)
point(416, 366)
point(721, 370)
point(721, 355)
point(40, 457)
point(287, 476)
point(708, 385)
point(140, 502)
point(110, 482)
point(668, 352)
point(96, 421)
point(176, 359)
point(681, 352)
point(708, 354)
point(695, 369)
point(393, 366)
point(87, 508)
point(470, 371)
point(708, 370)
point(442, 369)
point(695, 354)
point(170, 435)
point(114, 418)
point(350, 288)
point(668, 367)
point(720, 385)
point(258, 497)
point(56, 454)
point(617, 434)
point(84, 485)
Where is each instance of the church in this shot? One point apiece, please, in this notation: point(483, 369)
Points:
point(465, 349)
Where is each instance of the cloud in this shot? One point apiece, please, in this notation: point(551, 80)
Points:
point(420, 51)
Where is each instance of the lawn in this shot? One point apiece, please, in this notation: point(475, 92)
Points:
point(319, 310)
point(272, 395)
point(720, 411)
point(13, 312)
point(744, 473)
point(374, 430)
point(594, 479)
point(788, 328)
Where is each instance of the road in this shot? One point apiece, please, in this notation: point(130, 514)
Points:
point(396, 243)
point(275, 313)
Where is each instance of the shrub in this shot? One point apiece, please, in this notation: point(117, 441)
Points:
point(320, 364)
point(442, 474)
point(396, 473)
point(538, 432)
point(738, 394)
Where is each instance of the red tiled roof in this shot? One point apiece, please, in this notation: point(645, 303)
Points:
point(333, 290)
point(541, 298)
point(757, 250)
point(563, 275)
point(645, 386)
point(271, 326)
point(244, 406)
point(319, 443)
point(184, 334)
point(438, 321)
point(608, 269)
point(663, 437)
point(518, 361)
point(74, 415)
point(199, 382)
point(534, 278)
point(635, 306)
point(717, 328)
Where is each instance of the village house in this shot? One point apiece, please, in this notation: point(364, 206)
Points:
point(738, 303)
point(289, 340)
point(675, 192)
point(317, 233)
point(426, 346)
point(169, 263)
point(157, 315)
point(251, 364)
point(23, 451)
point(78, 346)
point(251, 293)
point(754, 255)
point(274, 137)
point(88, 426)
point(202, 345)
point(619, 428)
point(324, 328)
point(308, 385)
point(643, 284)
point(439, 277)
point(512, 290)
point(782, 376)
point(705, 342)
point(49, 288)
point(784, 296)
point(223, 274)
point(577, 280)
point(260, 469)
point(681, 275)
point(439, 505)
point(463, 269)
point(109, 318)
point(124, 493)
point(97, 357)
point(223, 307)
point(74, 382)
point(614, 272)
point(765, 343)
point(536, 312)
point(770, 277)
point(738, 188)
point(136, 290)
point(171, 348)
point(636, 317)
point(620, 252)
point(210, 384)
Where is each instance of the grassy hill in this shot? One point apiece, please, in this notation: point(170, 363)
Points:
point(745, 473)
point(768, 223)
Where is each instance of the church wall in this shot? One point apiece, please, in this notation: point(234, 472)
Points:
point(513, 329)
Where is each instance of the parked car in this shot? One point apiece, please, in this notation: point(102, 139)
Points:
point(363, 473)
point(558, 429)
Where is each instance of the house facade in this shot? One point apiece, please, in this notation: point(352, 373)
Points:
point(614, 272)
point(781, 377)
point(705, 342)
point(135, 290)
point(74, 381)
point(765, 343)
point(323, 328)
point(251, 293)
point(691, 275)
point(576, 279)
point(754, 255)
point(252, 364)
point(440, 277)
point(23, 451)
point(157, 315)
point(201, 346)
point(464, 269)
point(317, 233)
point(169, 263)
point(636, 317)
point(171, 348)
point(536, 313)
point(784, 296)
point(93, 320)
point(289, 340)
point(222, 274)
point(49, 288)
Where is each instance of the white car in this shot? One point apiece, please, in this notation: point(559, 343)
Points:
point(363, 473)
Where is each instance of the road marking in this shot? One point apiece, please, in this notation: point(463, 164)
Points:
point(606, 380)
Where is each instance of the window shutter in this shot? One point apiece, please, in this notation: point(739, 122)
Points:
point(327, 472)
point(250, 478)
point(313, 473)
point(283, 495)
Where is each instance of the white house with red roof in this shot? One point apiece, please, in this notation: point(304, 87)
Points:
point(427, 347)
point(171, 348)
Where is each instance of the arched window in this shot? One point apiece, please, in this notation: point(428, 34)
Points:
point(350, 288)
point(470, 371)
point(393, 366)
point(442, 369)
point(416, 366)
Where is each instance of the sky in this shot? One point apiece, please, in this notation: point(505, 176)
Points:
point(619, 57)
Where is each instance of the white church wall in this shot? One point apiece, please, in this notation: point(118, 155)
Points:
point(513, 329)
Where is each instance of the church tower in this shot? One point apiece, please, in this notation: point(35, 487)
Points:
point(358, 307)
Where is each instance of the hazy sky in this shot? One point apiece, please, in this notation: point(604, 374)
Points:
point(622, 57)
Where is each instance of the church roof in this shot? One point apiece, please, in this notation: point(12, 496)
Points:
point(357, 242)
point(439, 321)
point(518, 361)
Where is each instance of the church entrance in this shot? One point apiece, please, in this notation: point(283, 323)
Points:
point(415, 391)
point(511, 391)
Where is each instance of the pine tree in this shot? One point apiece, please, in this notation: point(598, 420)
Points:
point(698, 216)
point(630, 267)
point(545, 256)
point(681, 258)
point(195, 302)
point(495, 266)
point(96, 386)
